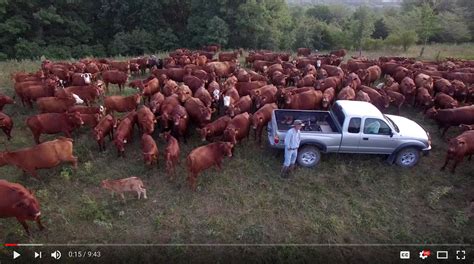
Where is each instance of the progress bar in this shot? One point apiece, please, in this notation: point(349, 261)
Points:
point(235, 245)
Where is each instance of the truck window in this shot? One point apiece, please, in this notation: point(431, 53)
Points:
point(354, 125)
point(337, 112)
point(376, 126)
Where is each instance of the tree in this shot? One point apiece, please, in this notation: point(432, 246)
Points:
point(320, 12)
point(380, 29)
point(453, 28)
point(404, 38)
point(362, 26)
point(425, 22)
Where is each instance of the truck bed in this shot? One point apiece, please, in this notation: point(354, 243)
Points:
point(315, 121)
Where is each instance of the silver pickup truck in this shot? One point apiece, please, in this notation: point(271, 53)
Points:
point(351, 127)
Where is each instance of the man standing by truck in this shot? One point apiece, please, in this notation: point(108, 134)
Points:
point(292, 143)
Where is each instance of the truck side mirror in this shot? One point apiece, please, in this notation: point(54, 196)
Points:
point(391, 133)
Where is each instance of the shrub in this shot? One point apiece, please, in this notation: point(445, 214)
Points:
point(372, 44)
point(26, 50)
point(3, 56)
point(57, 52)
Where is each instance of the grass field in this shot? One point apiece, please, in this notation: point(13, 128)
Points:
point(347, 199)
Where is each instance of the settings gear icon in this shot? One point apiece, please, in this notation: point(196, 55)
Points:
point(425, 254)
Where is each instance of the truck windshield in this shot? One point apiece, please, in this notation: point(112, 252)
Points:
point(393, 123)
point(338, 113)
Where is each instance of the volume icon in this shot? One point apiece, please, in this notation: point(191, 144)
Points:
point(56, 254)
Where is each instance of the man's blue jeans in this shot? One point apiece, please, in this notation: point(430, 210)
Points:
point(290, 157)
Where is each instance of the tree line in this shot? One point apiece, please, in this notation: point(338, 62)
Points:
point(80, 28)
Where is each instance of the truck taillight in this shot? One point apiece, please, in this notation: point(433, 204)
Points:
point(276, 139)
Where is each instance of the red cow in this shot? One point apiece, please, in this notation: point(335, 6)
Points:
point(121, 103)
point(353, 81)
point(303, 51)
point(244, 104)
point(444, 86)
point(123, 66)
point(334, 82)
point(204, 157)
point(55, 104)
point(176, 74)
point(229, 56)
point(238, 128)
point(198, 112)
point(104, 127)
point(423, 98)
point(426, 81)
point(329, 95)
point(459, 147)
point(88, 93)
point(5, 100)
point(396, 99)
point(451, 117)
point(371, 74)
point(193, 82)
point(81, 79)
point(261, 118)
point(114, 77)
point(339, 53)
point(123, 135)
point(146, 120)
point(42, 156)
point(180, 119)
point(171, 154)
point(131, 184)
point(149, 88)
point(20, 203)
point(244, 88)
point(6, 124)
point(266, 96)
point(166, 107)
point(408, 89)
point(377, 97)
point(90, 120)
point(150, 150)
point(87, 109)
point(202, 94)
point(402, 73)
point(308, 100)
point(346, 93)
point(30, 93)
point(214, 129)
point(155, 102)
point(391, 84)
point(308, 80)
point(444, 101)
point(52, 123)
point(362, 96)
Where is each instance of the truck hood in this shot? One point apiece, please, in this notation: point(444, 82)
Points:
point(409, 128)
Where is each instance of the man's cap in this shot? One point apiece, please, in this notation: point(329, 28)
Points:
point(298, 122)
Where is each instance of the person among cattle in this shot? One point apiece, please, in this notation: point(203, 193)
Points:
point(292, 143)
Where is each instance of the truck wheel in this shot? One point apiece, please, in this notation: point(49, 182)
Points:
point(408, 157)
point(308, 156)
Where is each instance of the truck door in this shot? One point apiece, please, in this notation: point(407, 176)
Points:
point(376, 137)
point(351, 136)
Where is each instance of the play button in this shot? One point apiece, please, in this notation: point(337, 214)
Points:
point(16, 255)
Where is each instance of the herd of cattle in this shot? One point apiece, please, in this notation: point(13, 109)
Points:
point(210, 90)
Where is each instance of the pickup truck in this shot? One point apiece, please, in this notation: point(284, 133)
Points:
point(351, 127)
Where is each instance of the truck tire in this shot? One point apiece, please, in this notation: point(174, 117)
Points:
point(308, 156)
point(408, 157)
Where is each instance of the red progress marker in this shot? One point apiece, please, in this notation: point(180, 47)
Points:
point(11, 245)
